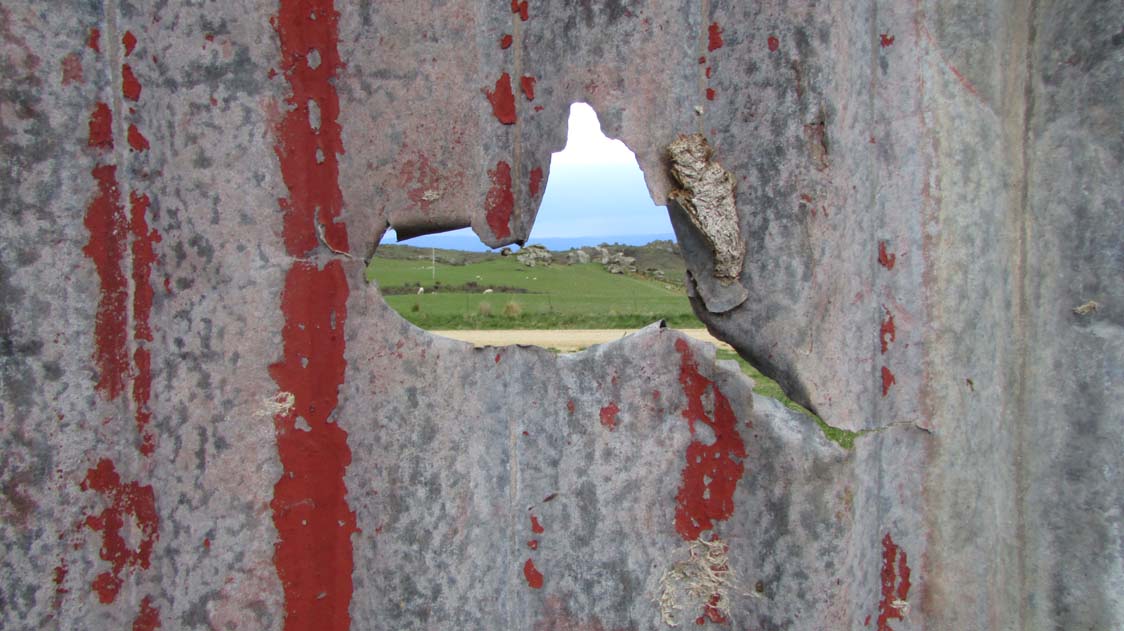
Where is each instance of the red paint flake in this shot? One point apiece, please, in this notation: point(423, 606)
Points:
point(149, 617)
point(61, 571)
point(708, 71)
point(886, 332)
point(866, 623)
point(309, 157)
point(130, 87)
point(94, 40)
point(895, 583)
point(887, 380)
point(136, 139)
point(210, 37)
point(886, 259)
point(125, 500)
point(609, 416)
point(101, 127)
point(806, 198)
point(503, 100)
point(714, 41)
point(539, 108)
point(521, 8)
point(528, 84)
point(206, 543)
point(425, 177)
point(536, 527)
point(168, 284)
point(536, 181)
point(702, 60)
point(105, 221)
point(711, 611)
point(314, 523)
point(887, 40)
point(710, 94)
point(533, 576)
point(570, 406)
point(698, 503)
point(71, 69)
point(533, 544)
point(130, 42)
point(500, 203)
point(497, 358)
point(505, 41)
point(774, 44)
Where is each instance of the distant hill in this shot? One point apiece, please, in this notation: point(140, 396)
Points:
point(658, 259)
point(465, 240)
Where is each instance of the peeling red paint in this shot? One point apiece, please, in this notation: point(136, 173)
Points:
point(71, 69)
point(609, 416)
point(774, 44)
point(536, 527)
point(711, 611)
point(887, 380)
point(533, 576)
point(101, 127)
point(528, 85)
point(886, 259)
point(105, 221)
point(699, 504)
point(521, 8)
point(94, 40)
point(714, 41)
point(570, 406)
point(130, 87)
point(309, 157)
point(144, 257)
point(533, 544)
point(503, 100)
point(129, 41)
point(314, 523)
point(539, 108)
point(136, 139)
point(425, 177)
point(536, 181)
point(887, 40)
point(148, 619)
point(710, 94)
point(702, 60)
point(125, 500)
point(708, 71)
point(886, 332)
point(500, 202)
point(895, 583)
point(505, 41)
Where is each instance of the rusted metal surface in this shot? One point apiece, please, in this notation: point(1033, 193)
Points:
point(211, 421)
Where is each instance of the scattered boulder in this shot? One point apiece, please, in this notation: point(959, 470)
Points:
point(535, 255)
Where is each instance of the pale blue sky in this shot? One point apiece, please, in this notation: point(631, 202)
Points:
point(595, 189)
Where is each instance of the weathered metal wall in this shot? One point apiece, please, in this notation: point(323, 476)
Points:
point(211, 421)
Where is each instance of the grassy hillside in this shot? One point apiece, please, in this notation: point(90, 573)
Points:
point(559, 296)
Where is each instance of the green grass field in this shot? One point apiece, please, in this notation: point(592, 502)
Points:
point(558, 297)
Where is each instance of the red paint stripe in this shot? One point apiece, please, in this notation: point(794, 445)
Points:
point(101, 127)
point(895, 583)
point(309, 156)
point(699, 504)
point(130, 86)
point(314, 523)
point(887, 332)
point(500, 202)
point(105, 221)
point(714, 37)
point(536, 181)
point(502, 99)
point(528, 84)
point(132, 501)
point(532, 574)
point(148, 619)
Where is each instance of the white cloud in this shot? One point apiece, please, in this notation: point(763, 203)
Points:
point(585, 144)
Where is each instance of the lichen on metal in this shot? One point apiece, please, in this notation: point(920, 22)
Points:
point(707, 196)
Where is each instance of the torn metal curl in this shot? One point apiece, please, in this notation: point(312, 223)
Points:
point(705, 217)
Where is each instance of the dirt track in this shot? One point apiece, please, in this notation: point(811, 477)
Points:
point(564, 340)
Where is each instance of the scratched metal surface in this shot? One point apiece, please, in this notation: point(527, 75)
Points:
point(211, 421)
